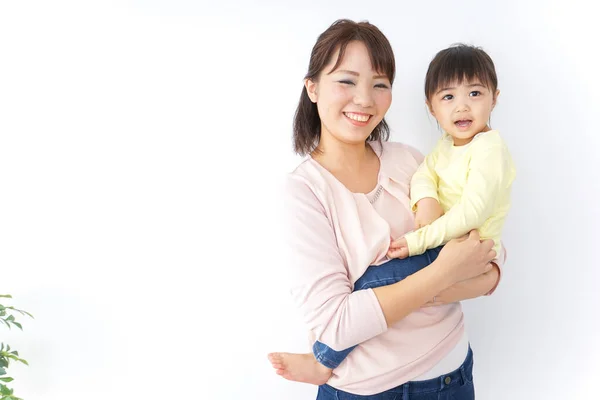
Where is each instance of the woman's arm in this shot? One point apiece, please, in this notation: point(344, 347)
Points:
point(460, 260)
point(318, 277)
point(468, 289)
point(322, 290)
point(483, 285)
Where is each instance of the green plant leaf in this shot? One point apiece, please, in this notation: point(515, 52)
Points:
point(8, 296)
point(4, 390)
point(7, 379)
point(23, 312)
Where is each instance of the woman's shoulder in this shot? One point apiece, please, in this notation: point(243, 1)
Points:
point(304, 173)
point(398, 156)
point(309, 180)
point(403, 151)
point(306, 180)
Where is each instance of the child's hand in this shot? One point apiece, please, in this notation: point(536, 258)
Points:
point(428, 210)
point(398, 249)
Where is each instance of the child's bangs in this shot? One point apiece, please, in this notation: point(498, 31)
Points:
point(460, 65)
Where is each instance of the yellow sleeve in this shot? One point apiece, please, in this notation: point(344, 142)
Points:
point(424, 182)
point(490, 171)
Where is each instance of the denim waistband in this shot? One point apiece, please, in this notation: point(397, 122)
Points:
point(459, 376)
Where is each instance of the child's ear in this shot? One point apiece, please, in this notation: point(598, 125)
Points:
point(311, 89)
point(495, 98)
point(429, 107)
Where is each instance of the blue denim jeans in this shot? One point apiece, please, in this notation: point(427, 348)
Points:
point(457, 385)
point(375, 276)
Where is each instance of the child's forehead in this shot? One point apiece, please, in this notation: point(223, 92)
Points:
point(456, 82)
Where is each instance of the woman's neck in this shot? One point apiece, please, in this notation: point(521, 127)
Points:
point(349, 157)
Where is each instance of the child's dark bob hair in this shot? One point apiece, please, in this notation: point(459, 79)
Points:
point(460, 63)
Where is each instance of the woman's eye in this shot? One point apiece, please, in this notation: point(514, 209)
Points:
point(382, 86)
point(347, 82)
point(448, 97)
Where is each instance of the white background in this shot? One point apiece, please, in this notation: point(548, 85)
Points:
point(142, 145)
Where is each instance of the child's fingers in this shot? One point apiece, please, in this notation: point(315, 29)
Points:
point(399, 242)
point(397, 253)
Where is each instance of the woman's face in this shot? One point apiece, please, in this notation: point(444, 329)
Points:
point(353, 99)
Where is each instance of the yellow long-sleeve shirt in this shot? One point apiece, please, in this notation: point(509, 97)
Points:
point(472, 184)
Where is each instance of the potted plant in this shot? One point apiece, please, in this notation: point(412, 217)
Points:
point(7, 317)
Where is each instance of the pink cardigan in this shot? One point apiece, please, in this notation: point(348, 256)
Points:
point(334, 235)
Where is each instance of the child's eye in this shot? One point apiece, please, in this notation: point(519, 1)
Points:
point(448, 97)
point(475, 93)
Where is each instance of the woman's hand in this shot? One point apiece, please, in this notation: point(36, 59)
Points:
point(466, 257)
point(459, 260)
point(469, 289)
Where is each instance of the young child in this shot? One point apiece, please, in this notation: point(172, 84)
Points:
point(464, 184)
point(468, 175)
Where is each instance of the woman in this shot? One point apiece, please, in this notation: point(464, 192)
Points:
point(345, 201)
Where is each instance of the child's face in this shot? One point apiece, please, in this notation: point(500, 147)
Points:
point(463, 110)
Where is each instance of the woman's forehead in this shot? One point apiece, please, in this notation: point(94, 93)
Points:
point(355, 57)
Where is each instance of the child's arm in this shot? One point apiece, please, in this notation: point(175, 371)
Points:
point(428, 210)
point(424, 183)
point(424, 191)
point(490, 173)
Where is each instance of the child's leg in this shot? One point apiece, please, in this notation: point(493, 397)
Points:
point(316, 368)
point(395, 270)
point(389, 273)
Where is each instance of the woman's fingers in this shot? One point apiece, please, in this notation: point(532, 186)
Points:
point(488, 245)
point(468, 256)
point(489, 266)
point(488, 242)
point(474, 234)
